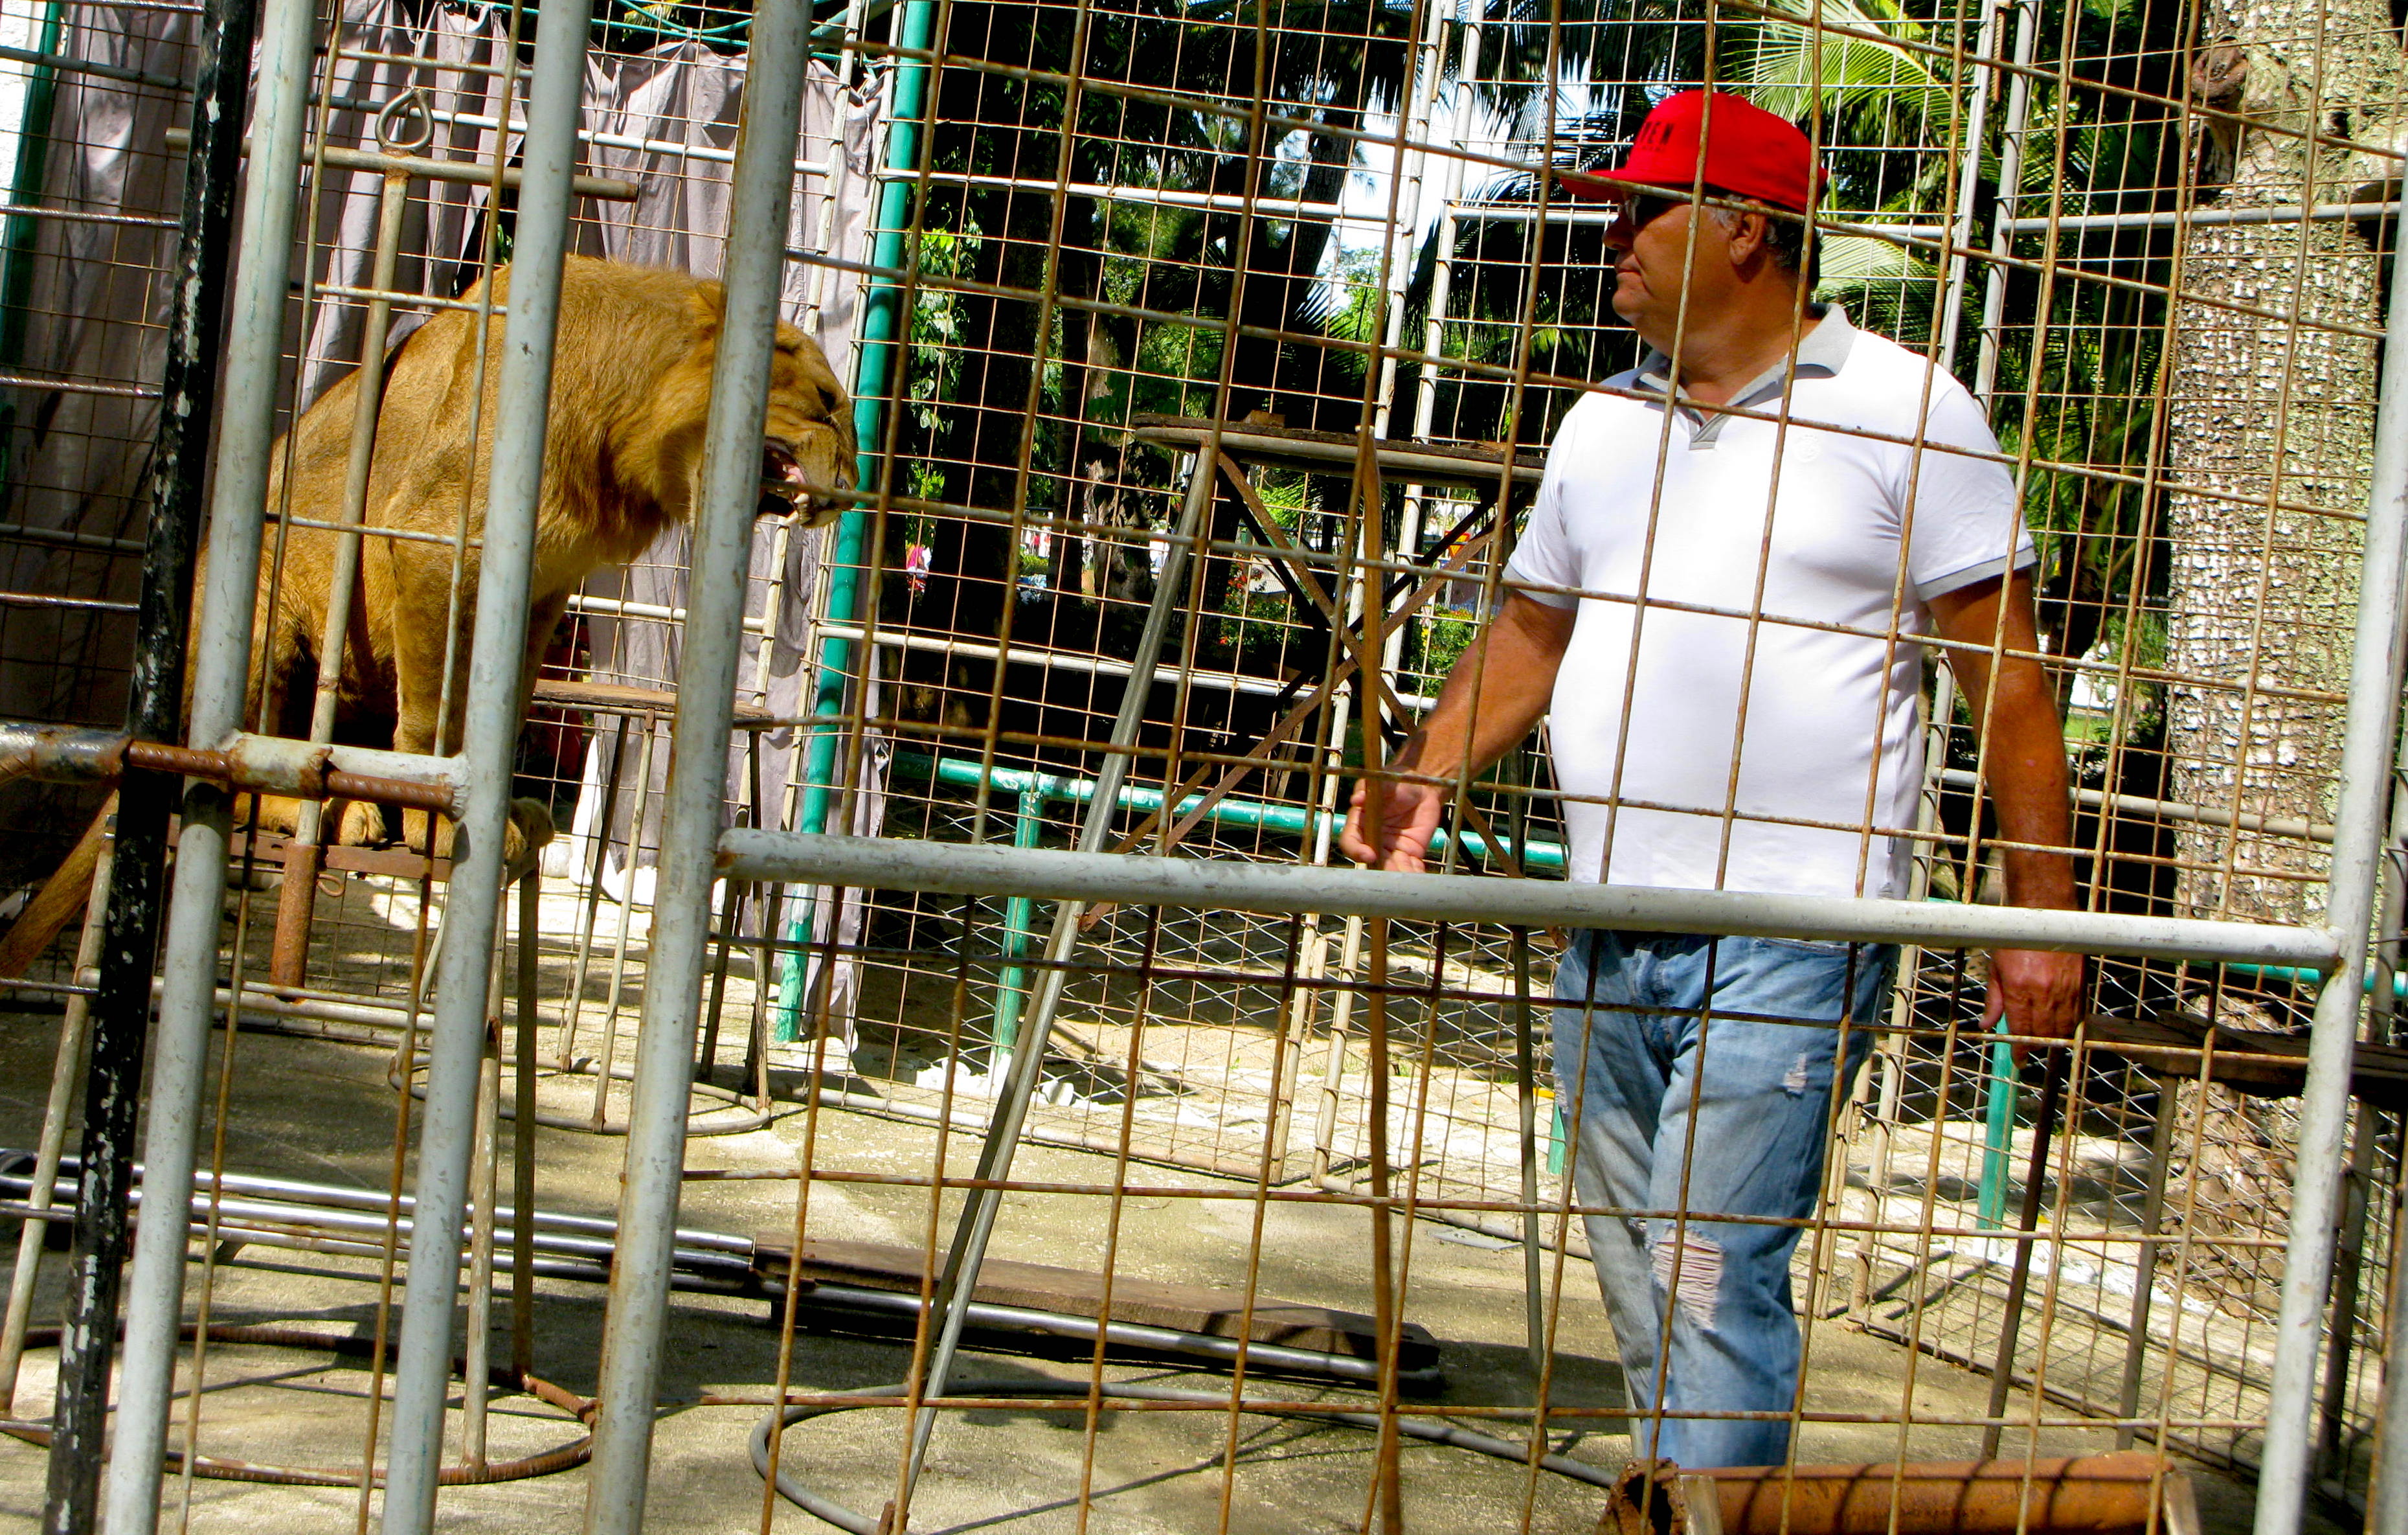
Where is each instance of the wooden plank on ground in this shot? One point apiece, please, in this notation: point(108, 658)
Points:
point(1071, 1292)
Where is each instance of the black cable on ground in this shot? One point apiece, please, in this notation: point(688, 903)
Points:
point(859, 1524)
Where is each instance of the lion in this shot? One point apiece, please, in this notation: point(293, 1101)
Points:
point(622, 462)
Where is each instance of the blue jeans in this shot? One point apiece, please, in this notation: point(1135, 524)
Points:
point(1678, 1108)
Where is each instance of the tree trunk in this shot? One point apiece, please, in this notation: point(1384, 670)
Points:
point(2260, 595)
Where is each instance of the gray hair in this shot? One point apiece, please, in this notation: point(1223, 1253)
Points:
point(1788, 240)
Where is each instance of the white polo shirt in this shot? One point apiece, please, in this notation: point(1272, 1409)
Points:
point(1793, 602)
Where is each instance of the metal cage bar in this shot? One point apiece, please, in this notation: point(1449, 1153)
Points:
point(656, 1160)
point(495, 676)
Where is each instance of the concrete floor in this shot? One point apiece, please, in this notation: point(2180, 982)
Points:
point(323, 1111)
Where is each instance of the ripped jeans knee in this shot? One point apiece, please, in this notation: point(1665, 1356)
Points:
point(1688, 1267)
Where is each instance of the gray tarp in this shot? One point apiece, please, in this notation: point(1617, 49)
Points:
point(442, 231)
point(673, 98)
point(95, 311)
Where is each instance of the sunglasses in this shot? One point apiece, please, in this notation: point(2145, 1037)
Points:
point(1644, 207)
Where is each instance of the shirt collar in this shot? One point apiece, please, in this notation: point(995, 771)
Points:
point(1821, 353)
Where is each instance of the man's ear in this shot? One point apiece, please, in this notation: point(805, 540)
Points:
point(1751, 241)
point(1751, 237)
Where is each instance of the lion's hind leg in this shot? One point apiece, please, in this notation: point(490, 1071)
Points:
point(61, 896)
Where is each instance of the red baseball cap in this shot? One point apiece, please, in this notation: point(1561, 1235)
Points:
point(1746, 151)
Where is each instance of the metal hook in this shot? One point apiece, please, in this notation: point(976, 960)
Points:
point(408, 107)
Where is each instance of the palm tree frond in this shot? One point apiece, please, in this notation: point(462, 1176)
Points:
point(1855, 262)
point(1794, 68)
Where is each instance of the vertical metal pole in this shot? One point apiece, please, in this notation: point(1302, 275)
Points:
point(523, 1130)
point(739, 900)
point(567, 1041)
point(2010, 163)
point(2382, 1003)
point(627, 872)
point(492, 711)
point(2340, 1332)
point(732, 907)
point(2367, 744)
point(1410, 169)
point(1961, 234)
point(476, 1352)
point(1450, 193)
point(2386, 1496)
point(305, 854)
point(1525, 1104)
point(761, 192)
point(113, 1093)
point(2002, 1370)
point(2387, 1493)
point(2145, 1288)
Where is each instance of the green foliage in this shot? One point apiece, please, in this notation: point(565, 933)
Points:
point(1799, 70)
point(1886, 285)
point(936, 343)
point(1442, 642)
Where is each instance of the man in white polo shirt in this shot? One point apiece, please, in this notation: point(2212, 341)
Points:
point(1719, 602)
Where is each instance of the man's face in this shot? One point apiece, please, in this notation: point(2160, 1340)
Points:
point(1650, 236)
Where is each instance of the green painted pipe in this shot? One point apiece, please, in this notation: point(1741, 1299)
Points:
point(1249, 813)
point(1999, 1108)
point(2299, 975)
point(1019, 918)
point(1998, 1131)
point(881, 324)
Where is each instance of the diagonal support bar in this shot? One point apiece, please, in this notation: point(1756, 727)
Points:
point(958, 1281)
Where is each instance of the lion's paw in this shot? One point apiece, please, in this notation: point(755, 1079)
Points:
point(530, 826)
point(362, 826)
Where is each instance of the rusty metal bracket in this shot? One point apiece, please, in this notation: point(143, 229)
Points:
point(2127, 1493)
point(60, 754)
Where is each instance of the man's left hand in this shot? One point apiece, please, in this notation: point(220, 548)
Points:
point(2039, 992)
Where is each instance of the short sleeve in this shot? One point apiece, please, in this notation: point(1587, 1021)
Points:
point(1963, 521)
point(1545, 557)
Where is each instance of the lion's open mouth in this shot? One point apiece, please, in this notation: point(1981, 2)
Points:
point(783, 488)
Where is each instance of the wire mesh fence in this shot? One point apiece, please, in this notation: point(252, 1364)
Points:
point(1221, 378)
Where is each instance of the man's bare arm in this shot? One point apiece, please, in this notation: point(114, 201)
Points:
point(1495, 692)
point(2023, 758)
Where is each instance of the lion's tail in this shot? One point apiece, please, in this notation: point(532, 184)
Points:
point(61, 896)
